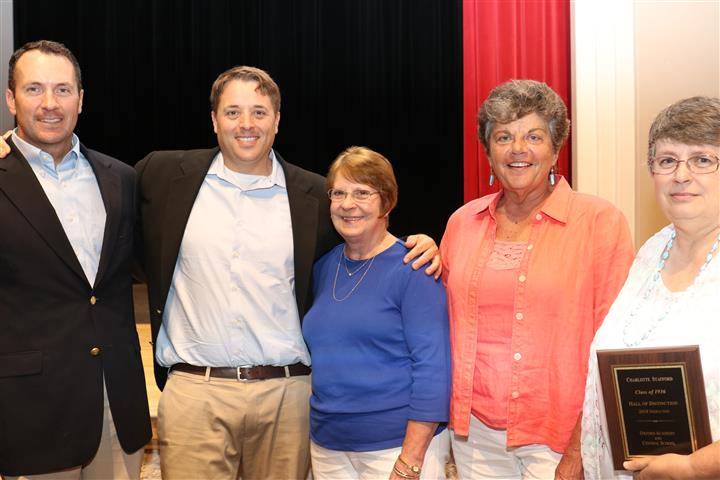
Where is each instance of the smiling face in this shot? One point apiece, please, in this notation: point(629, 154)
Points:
point(245, 123)
point(684, 196)
point(357, 221)
point(46, 101)
point(521, 154)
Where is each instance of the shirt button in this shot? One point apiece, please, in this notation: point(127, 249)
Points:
point(95, 351)
point(517, 356)
point(235, 255)
point(530, 246)
point(233, 288)
point(521, 278)
point(93, 300)
point(515, 394)
point(158, 311)
point(519, 316)
point(538, 217)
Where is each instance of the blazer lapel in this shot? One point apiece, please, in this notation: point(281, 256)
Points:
point(21, 187)
point(184, 189)
point(303, 215)
point(110, 187)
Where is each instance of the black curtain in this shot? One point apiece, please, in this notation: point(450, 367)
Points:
point(380, 73)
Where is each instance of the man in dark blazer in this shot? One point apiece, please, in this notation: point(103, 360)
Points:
point(72, 390)
point(227, 238)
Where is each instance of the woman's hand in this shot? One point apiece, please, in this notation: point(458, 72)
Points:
point(701, 464)
point(669, 466)
point(4, 147)
point(570, 467)
point(418, 436)
point(424, 250)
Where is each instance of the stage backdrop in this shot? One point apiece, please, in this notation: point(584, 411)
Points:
point(508, 39)
point(382, 73)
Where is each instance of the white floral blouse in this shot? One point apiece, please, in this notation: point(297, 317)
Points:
point(646, 314)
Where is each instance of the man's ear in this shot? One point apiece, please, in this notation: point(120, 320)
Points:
point(214, 121)
point(10, 101)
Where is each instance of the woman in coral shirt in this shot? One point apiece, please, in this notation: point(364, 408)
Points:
point(530, 272)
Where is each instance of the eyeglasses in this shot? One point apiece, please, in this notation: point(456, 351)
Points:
point(665, 165)
point(336, 195)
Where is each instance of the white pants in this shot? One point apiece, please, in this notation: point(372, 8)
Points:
point(484, 454)
point(337, 464)
point(110, 460)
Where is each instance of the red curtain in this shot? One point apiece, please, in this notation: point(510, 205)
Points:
point(502, 40)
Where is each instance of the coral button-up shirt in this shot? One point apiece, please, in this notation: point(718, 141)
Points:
point(577, 259)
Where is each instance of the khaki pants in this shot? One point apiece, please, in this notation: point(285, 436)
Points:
point(225, 428)
point(110, 461)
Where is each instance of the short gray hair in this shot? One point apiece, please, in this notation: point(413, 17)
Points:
point(692, 121)
point(515, 99)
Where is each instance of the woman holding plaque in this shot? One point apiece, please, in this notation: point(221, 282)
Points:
point(531, 272)
point(672, 294)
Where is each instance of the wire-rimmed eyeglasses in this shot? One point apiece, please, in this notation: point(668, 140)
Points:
point(666, 164)
point(336, 195)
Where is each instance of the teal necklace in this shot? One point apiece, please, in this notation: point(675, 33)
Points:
point(650, 294)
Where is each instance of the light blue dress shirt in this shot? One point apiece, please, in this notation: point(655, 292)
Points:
point(73, 192)
point(232, 302)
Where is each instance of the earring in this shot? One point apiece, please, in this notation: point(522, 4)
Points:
point(492, 178)
point(551, 176)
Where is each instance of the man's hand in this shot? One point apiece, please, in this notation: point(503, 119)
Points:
point(424, 250)
point(4, 147)
point(669, 466)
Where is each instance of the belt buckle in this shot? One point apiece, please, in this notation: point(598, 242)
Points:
point(240, 373)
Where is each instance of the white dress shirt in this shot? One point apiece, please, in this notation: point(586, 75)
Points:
point(232, 301)
point(73, 192)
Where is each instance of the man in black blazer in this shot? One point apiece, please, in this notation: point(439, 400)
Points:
point(228, 237)
point(72, 390)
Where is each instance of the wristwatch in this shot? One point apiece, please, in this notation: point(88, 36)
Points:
point(413, 468)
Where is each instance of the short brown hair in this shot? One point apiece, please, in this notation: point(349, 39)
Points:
point(266, 85)
point(692, 121)
point(363, 165)
point(48, 47)
point(515, 99)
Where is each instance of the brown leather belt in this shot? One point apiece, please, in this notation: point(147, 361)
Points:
point(260, 372)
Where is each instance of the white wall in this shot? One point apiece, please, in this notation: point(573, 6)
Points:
point(677, 47)
point(6, 49)
point(630, 60)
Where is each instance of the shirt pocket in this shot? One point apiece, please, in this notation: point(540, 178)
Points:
point(20, 364)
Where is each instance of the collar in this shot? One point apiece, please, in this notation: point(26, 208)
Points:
point(248, 182)
point(44, 160)
point(556, 206)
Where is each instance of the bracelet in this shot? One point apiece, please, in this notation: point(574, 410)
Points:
point(403, 474)
point(413, 468)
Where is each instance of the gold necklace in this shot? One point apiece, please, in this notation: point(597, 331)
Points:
point(350, 274)
point(362, 277)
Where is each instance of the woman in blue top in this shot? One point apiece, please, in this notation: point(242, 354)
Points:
point(378, 337)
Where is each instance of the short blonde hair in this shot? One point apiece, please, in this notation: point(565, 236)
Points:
point(363, 165)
